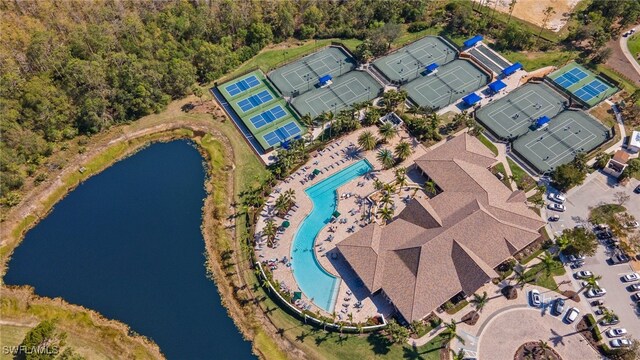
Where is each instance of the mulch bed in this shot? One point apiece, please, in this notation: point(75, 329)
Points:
point(509, 292)
point(471, 318)
point(570, 294)
point(583, 328)
point(532, 350)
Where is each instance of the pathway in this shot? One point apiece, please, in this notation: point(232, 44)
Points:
point(625, 50)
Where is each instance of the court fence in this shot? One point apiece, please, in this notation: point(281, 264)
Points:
point(312, 319)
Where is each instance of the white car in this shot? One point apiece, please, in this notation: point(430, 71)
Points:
point(557, 197)
point(633, 225)
point(631, 277)
point(572, 315)
point(617, 343)
point(596, 292)
point(536, 300)
point(616, 332)
point(556, 207)
point(583, 274)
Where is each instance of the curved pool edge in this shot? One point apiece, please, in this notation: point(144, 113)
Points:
point(336, 279)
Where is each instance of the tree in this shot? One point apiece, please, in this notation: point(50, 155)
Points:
point(520, 276)
point(621, 197)
point(386, 213)
point(512, 5)
point(451, 333)
point(590, 283)
point(568, 175)
point(197, 91)
point(385, 157)
point(430, 188)
point(480, 301)
point(307, 121)
point(45, 337)
point(270, 231)
point(387, 132)
point(398, 333)
point(602, 55)
point(580, 241)
point(460, 355)
point(403, 150)
point(545, 20)
point(367, 141)
point(602, 158)
point(547, 264)
point(401, 177)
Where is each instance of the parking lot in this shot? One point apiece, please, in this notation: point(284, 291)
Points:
point(600, 189)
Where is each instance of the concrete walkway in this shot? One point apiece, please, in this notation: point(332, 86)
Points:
point(625, 50)
point(621, 130)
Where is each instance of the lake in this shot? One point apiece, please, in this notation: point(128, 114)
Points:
point(127, 243)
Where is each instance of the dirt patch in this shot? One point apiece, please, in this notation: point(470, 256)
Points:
point(535, 351)
point(618, 62)
point(533, 11)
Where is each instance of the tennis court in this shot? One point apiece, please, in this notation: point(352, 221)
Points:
point(583, 84)
point(513, 115)
point(568, 133)
point(450, 83)
point(408, 62)
point(302, 75)
point(355, 86)
point(262, 116)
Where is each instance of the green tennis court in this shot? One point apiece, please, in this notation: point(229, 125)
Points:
point(302, 75)
point(568, 133)
point(406, 63)
point(355, 86)
point(583, 84)
point(262, 115)
point(448, 84)
point(512, 115)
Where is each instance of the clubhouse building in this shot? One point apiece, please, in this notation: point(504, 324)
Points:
point(447, 246)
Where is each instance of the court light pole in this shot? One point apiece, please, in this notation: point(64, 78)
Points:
point(340, 63)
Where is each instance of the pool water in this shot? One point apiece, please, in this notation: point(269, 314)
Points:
point(312, 279)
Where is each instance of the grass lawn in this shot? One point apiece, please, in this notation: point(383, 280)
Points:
point(605, 214)
point(522, 179)
point(499, 168)
point(626, 84)
point(537, 276)
point(634, 46)
point(483, 139)
point(535, 60)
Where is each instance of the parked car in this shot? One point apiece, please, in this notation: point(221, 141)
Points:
point(536, 299)
point(634, 287)
point(578, 257)
point(619, 258)
point(556, 207)
point(633, 225)
point(557, 197)
point(601, 227)
point(597, 303)
point(631, 277)
point(558, 306)
point(618, 343)
point(604, 234)
point(554, 218)
point(572, 315)
point(613, 321)
point(616, 332)
point(635, 297)
point(583, 274)
point(596, 292)
point(637, 189)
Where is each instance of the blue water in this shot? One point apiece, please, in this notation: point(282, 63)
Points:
point(127, 244)
point(312, 279)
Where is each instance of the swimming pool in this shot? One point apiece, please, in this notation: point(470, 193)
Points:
point(312, 279)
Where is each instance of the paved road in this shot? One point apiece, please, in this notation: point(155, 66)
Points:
point(627, 53)
point(512, 328)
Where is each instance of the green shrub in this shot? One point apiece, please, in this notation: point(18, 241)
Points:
point(417, 27)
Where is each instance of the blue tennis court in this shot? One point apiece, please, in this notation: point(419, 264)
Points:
point(283, 133)
point(255, 100)
point(268, 116)
point(242, 85)
point(571, 77)
point(591, 90)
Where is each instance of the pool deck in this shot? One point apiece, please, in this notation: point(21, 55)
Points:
point(345, 148)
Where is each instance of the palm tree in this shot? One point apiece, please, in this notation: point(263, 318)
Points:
point(547, 264)
point(389, 188)
point(543, 346)
point(385, 157)
point(590, 283)
point(545, 20)
point(270, 231)
point(519, 276)
point(451, 333)
point(430, 187)
point(401, 177)
point(378, 185)
point(480, 301)
point(608, 316)
point(512, 6)
point(385, 199)
point(307, 121)
point(367, 141)
point(403, 150)
point(460, 355)
point(386, 213)
point(387, 132)
point(290, 195)
point(281, 205)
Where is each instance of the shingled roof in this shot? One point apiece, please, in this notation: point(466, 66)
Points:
point(437, 248)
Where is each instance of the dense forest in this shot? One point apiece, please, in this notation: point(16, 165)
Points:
point(72, 68)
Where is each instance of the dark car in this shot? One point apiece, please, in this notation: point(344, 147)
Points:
point(619, 259)
point(613, 321)
point(637, 189)
point(558, 307)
